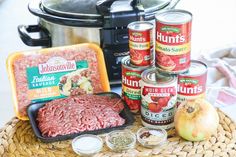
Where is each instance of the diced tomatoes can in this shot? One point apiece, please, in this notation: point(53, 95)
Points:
point(192, 84)
point(173, 41)
point(158, 99)
point(131, 90)
point(141, 43)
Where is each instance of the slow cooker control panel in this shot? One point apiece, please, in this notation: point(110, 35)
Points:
point(114, 34)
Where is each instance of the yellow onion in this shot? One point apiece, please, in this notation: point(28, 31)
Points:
point(196, 120)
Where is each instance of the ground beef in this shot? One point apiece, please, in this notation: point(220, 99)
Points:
point(22, 63)
point(78, 114)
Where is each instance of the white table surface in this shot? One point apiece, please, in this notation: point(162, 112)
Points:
point(214, 26)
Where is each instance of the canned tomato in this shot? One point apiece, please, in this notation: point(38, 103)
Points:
point(173, 41)
point(192, 84)
point(141, 43)
point(158, 99)
point(131, 92)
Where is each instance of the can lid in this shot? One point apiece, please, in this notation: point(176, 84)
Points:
point(154, 77)
point(174, 16)
point(140, 25)
point(126, 63)
point(196, 68)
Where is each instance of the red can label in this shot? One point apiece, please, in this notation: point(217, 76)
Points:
point(131, 92)
point(173, 45)
point(140, 47)
point(191, 87)
point(158, 105)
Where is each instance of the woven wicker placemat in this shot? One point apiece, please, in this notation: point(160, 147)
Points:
point(17, 139)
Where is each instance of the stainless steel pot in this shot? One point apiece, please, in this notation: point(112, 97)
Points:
point(67, 35)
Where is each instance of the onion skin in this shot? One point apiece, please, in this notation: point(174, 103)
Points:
point(196, 120)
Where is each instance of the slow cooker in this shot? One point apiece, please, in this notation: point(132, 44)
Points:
point(67, 22)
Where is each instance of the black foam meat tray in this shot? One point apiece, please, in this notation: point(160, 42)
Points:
point(32, 112)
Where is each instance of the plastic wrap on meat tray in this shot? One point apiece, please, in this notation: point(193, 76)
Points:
point(125, 119)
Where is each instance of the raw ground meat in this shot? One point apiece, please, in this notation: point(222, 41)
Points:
point(78, 114)
point(22, 63)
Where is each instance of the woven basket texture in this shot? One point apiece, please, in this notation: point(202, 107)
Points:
point(18, 140)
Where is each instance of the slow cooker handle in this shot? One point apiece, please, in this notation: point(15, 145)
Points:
point(25, 31)
point(172, 4)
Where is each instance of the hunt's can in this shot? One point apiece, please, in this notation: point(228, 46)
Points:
point(131, 91)
point(173, 41)
point(192, 84)
point(158, 99)
point(141, 43)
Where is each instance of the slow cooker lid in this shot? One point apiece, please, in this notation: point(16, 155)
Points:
point(71, 8)
point(151, 6)
point(87, 8)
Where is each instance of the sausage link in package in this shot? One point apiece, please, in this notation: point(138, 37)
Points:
point(53, 73)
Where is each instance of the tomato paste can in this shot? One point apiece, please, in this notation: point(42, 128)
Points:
point(131, 91)
point(173, 41)
point(158, 99)
point(141, 43)
point(192, 84)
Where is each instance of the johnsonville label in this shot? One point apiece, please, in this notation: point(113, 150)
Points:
point(57, 78)
point(173, 46)
point(50, 67)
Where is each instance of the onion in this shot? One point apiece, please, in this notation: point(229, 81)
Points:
point(196, 120)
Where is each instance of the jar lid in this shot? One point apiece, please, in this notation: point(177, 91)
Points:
point(153, 76)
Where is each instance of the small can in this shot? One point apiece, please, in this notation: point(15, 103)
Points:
point(173, 41)
point(192, 84)
point(141, 43)
point(158, 99)
point(131, 91)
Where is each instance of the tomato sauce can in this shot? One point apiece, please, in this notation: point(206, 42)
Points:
point(131, 91)
point(192, 84)
point(173, 41)
point(158, 99)
point(141, 43)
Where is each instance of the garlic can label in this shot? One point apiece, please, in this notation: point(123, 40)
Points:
point(173, 46)
point(158, 104)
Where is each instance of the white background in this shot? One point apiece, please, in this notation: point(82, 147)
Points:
point(214, 26)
